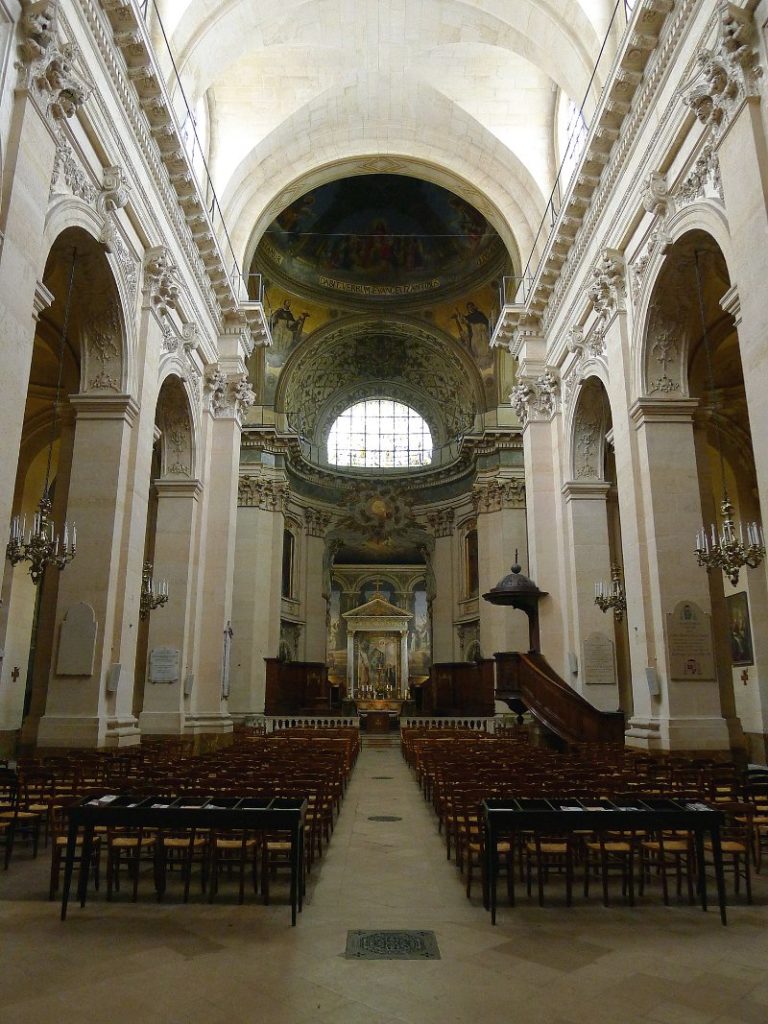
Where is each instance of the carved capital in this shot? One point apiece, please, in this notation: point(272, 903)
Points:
point(228, 395)
point(727, 72)
point(655, 195)
point(257, 491)
point(495, 495)
point(50, 65)
point(316, 522)
point(441, 522)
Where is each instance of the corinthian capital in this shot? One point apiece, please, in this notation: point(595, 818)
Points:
point(728, 71)
point(50, 65)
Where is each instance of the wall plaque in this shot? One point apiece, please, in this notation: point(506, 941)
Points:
point(598, 664)
point(689, 643)
point(77, 641)
point(164, 664)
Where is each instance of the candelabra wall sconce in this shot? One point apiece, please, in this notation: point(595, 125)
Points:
point(725, 548)
point(612, 596)
point(153, 594)
point(41, 545)
point(727, 551)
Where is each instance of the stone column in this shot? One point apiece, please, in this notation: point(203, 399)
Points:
point(687, 712)
point(29, 162)
point(313, 598)
point(589, 561)
point(501, 531)
point(446, 570)
point(257, 585)
point(536, 402)
point(80, 710)
point(178, 503)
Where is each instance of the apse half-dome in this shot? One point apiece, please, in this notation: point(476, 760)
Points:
point(386, 237)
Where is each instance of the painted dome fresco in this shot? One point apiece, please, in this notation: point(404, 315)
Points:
point(380, 236)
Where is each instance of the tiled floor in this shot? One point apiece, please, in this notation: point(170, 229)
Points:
point(173, 964)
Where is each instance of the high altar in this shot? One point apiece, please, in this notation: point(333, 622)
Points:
point(377, 652)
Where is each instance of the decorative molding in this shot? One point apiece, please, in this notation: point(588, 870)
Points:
point(103, 344)
point(162, 286)
point(232, 395)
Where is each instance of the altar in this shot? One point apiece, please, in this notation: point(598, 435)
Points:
point(377, 655)
point(377, 715)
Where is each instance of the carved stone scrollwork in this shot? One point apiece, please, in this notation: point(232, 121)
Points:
point(68, 174)
point(161, 280)
point(728, 72)
point(256, 491)
point(316, 522)
point(243, 395)
point(520, 398)
point(548, 388)
point(50, 65)
point(115, 190)
point(586, 441)
point(216, 386)
point(607, 291)
point(495, 495)
point(103, 363)
point(441, 522)
point(663, 354)
point(703, 177)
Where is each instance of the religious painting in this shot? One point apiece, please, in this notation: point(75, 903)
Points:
point(471, 323)
point(419, 633)
point(378, 664)
point(337, 634)
point(739, 628)
point(380, 236)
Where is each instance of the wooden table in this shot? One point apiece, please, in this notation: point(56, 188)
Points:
point(254, 814)
point(504, 816)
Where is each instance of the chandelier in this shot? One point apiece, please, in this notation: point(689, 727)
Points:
point(612, 596)
point(153, 595)
point(725, 548)
point(43, 545)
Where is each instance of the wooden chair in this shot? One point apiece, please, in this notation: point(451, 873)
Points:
point(232, 849)
point(611, 853)
point(549, 853)
point(23, 823)
point(129, 849)
point(736, 843)
point(59, 835)
point(182, 848)
point(666, 851)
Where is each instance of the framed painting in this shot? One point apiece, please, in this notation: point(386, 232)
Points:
point(739, 629)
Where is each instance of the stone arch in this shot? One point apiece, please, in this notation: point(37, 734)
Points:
point(658, 322)
point(589, 423)
point(175, 421)
point(69, 213)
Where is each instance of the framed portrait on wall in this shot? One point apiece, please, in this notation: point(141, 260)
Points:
point(739, 629)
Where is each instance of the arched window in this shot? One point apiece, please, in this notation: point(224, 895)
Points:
point(380, 434)
point(288, 550)
point(571, 137)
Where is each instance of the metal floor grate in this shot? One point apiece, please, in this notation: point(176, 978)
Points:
point(391, 945)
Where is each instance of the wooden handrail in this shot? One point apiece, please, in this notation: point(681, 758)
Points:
point(555, 704)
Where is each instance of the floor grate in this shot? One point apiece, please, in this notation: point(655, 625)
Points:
point(391, 945)
point(383, 817)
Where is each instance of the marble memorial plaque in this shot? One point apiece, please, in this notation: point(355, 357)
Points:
point(77, 641)
point(598, 663)
point(164, 664)
point(689, 643)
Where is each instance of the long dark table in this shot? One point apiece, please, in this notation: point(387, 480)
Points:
point(254, 814)
point(504, 816)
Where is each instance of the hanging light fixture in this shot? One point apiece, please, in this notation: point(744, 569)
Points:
point(153, 595)
point(726, 548)
point(612, 596)
point(42, 545)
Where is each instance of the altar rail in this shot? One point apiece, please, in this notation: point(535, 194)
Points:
point(275, 723)
point(477, 723)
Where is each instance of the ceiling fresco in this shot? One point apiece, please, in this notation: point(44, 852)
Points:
point(383, 237)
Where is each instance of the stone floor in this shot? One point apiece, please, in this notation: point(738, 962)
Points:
point(174, 964)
